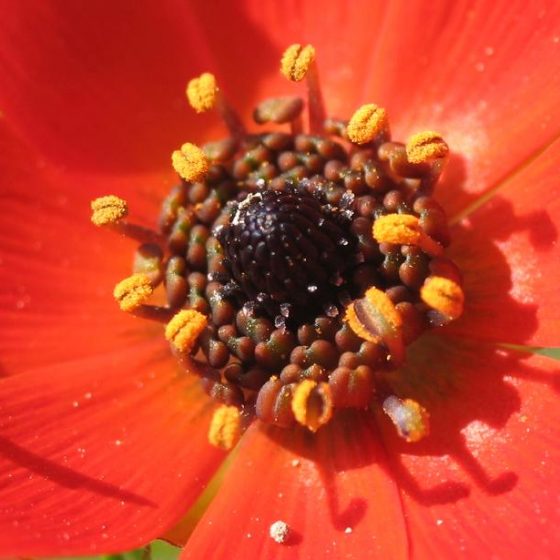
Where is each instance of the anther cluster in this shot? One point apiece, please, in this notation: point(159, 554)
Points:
point(297, 266)
point(278, 198)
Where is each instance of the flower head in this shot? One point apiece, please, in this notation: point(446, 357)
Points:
point(105, 440)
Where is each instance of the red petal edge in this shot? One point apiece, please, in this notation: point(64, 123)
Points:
point(102, 455)
point(333, 490)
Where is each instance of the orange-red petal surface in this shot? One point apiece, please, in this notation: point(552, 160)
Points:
point(484, 74)
point(100, 86)
point(58, 270)
point(509, 253)
point(484, 483)
point(333, 490)
point(100, 455)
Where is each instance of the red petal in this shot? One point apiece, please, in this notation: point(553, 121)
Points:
point(333, 491)
point(486, 75)
point(58, 269)
point(100, 455)
point(268, 28)
point(101, 87)
point(509, 252)
point(484, 483)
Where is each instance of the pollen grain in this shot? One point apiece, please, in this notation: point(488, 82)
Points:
point(425, 146)
point(201, 92)
point(132, 292)
point(400, 229)
point(296, 61)
point(225, 427)
point(108, 210)
point(443, 295)
point(367, 123)
point(190, 162)
point(312, 404)
point(184, 329)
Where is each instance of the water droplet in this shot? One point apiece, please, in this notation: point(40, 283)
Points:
point(331, 310)
point(285, 309)
point(249, 308)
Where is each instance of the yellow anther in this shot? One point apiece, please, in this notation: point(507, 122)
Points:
point(425, 146)
point(201, 92)
point(411, 419)
point(366, 123)
point(404, 229)
point(443, 295)
point(296, 61)
point(184, 329)
point(400, 229)
point(132, 292)
point(190, 162)
point(312, 404)
point(225, 427)
point(374, 316)
point(108, 210)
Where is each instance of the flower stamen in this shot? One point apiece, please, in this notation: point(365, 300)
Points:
point(184, 329)
point(298, 62)
point(225, 427)
point(204, 94)
point(443, 295)
point(426, 146)
point(367, 123)
point(201, 92)
point(312, 404)
point(404, 229)
point(110, 212)
point(375, 318)
point(190, 162)
point(133, 292)
point(411, 420)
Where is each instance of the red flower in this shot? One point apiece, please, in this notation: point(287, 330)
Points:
point(104, 445)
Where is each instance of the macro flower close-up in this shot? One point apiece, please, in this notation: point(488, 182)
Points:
point(279, 279)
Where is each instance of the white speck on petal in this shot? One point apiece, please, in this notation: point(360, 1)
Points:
point(279, 531)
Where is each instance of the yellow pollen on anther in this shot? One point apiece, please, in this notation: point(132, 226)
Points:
point(225, 427)
point(190, 162)
point(312, 404)
point(443, 295)
point(296, 61)
point(108, 210)
point(379, 306)
point(132, 292)
point(201, 92)
point(184, 329)
point(400, 229)
point(410, 418)
point(366, 123)
point(425, 146)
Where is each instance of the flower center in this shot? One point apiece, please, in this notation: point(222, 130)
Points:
point(297, 266)
point(286, 251)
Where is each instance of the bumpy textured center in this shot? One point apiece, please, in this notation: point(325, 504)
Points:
point(297, 267)
point(288, 250)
